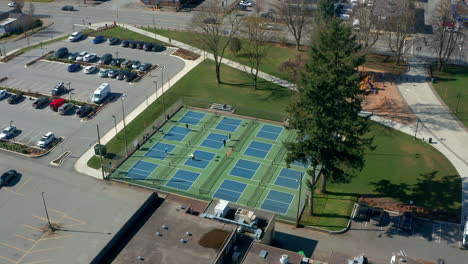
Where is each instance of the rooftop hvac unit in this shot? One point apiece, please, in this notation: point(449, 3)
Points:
point(246, 215)
point(221, 208)
point(284, 259)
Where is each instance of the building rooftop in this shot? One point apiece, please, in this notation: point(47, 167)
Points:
point(263, 254)
point(201, 244)
point(7, 21)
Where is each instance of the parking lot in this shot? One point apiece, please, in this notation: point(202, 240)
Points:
point(43, 75)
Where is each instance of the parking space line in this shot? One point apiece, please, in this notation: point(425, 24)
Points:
point(39, 261)
point(41, 250)
point(13, 247)
point(13, 192)
point(56, 237)
point(25, 135)
point(32, 227)
point(25, 238)
point(10, 81)
point(12, 261)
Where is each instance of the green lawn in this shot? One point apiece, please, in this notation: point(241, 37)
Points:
point(452, 87)
point(399, 168)
point(384, 63)
point(277, 54)
point(122, 33)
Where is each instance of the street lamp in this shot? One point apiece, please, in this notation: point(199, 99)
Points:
point(125, 127)
point(116, 54)
point(162, 89)
point(69, 90)
point(11, 122)
point(115, 124)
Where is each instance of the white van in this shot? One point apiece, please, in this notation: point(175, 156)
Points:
point(101, 93)
point(465, 235)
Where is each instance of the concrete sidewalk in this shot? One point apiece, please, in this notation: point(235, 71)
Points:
point(436, 121)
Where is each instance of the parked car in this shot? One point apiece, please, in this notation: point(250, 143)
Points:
point(158, 47)
point(81, 56)
point(406, 221)
point(59, 89)
point(72, 56)
point(114, 41)
point(117, 62)
point(105, 59)
point(65, 108)
point(8, 132)
point(103, 73)
point(56, 104)
point(84, 111)
point(113, 73)
point(73, 67)
point(41, 102)
point(377, 216)
point(90, 57)
point(62, 52)
point(363, 213)
point(7, 177)
point(12, 4)
point(136, 65)
point(148, 46)
point(121, 75)
point(15, 98)
point(75, 36)
point(99, 39)
point(3, 93)
point(68, 8)
point(144, 67)
point(130, 76)
point(133, 44)
point(140, 44)
point(125, 43)
point(126, 64)
point(45, 140)
point(91, 69)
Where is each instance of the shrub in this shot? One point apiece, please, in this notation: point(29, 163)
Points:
point(235, 45)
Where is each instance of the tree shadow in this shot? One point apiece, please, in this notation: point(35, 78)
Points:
point(295, 243)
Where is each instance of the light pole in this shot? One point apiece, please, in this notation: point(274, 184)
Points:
point(116, 54)
point(115, 124)
point(51, 228)
point(125, 127)
point(417, 126)
point(69, 90)
point(11, 122)
point(162, 89)
point(299, 201)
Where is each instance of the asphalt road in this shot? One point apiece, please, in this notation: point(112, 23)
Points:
point(88, 211)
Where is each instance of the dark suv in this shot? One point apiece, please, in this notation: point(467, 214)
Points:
point(106, 58)
point(59, 89)
point(61, 52)
point(6, 177)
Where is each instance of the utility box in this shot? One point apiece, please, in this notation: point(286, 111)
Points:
point(100, 150)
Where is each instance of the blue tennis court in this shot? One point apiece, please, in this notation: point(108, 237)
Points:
point(288, 178)
point(177, 133)
point(277, 202)
point(160, 151)
point(245, 169)
point(141, 170)
point(258, 149)
point(269, 132)
point(192, 118)
point(214, 140)
point(182, 180)
point(230, 190)
point(201, 160)
point(228, 124)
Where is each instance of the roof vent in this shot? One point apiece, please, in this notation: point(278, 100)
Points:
point(284, 259)
point(183, 241)
point(188, 234)
point(165, 227)
point(263, 254)
point(158, 234)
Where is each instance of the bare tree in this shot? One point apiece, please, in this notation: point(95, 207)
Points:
point(446, 38)
point(368, 27)
point(400, 24)
point(216, 27)
point(256, 46)
point(31, 9)
point(297, 16)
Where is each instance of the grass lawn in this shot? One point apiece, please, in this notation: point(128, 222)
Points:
point(399, 168)
point(277, 54)
point(384, 63)
point(452, 84)
point(122, 33)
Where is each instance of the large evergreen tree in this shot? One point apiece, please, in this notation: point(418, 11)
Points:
point(325, 111)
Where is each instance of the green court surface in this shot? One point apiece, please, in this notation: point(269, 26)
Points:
point(209, 155)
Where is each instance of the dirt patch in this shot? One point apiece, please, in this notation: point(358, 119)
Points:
point(386, 100)
point(185, 54)
point(399, 207)
point(213, 239)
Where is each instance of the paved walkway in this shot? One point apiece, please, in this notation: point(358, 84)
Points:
point(436, 121)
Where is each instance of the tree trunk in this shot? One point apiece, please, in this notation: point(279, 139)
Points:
point(310, 202)
point(298, 41)
point(323, 184)
point(218, 74)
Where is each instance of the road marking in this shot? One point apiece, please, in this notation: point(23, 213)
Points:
point(13, 261)
point(57, 237)
point(39, 261)
point(12, 191)
point(13, 247)
point(25, 238)
point(41, 250)
point(403, 253)
point(32, 227)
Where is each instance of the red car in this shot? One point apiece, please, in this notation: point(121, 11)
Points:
point(56, 104)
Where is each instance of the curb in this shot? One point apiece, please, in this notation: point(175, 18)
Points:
point(339, 232)
point(48, 151)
